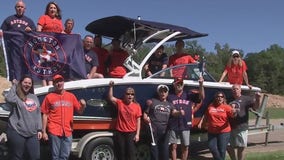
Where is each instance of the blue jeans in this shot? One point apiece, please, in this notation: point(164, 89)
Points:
point(217, 144)
point(18, 145)
point(161, 150)
point(60, 147)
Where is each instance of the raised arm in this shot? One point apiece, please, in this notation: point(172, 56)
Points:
point(110, 93)
point(201, 88)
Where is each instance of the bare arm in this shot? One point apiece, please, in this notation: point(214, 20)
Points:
point(39, 28)
point(110, 93)
point(245, 76)
point(44, 125)
point(164, 67)
point(83, 106)
point(145, 114)
point(223, 76)
point(147, 71)
point(136, 139)
point(92, 72)
point(201, 88)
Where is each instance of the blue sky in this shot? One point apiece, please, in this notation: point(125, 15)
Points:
point(250, 25)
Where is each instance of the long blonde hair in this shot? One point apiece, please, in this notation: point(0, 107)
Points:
point(230, 62)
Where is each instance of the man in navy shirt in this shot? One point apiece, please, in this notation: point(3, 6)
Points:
point(17, 22)
point(180, 125)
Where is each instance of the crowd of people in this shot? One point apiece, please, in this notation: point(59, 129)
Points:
point(99, 62)
point(169, 115)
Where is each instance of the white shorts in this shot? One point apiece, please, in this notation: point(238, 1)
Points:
point(238, 138)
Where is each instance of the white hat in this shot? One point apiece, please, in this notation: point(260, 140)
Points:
point(235, 52)
point(162, 86)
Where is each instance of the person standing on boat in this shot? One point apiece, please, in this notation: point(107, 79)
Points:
point(157, 115)
point(68, 26)
point(239, 124)
point(127, 124)
point(50, 22)
point(180, 57)
point(180, 125)
point(17, 22)
point(102, 54)
point(158, 61)
point(117, 57)
point(91, 59)
point(24, 124)
point(236, 69)
point(57, 109)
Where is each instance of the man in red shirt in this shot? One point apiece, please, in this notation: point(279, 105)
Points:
point(116, 58)
point(102, 55)
point(180, 57)
point(57, 119)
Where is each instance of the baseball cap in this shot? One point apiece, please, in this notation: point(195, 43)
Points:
point(235, 52)
point(178, 80)
point(57, 77)
point(162, 87)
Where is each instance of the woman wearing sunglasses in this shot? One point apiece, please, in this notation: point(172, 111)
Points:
point(217, 120)
point(128, 123)
point(236, 70)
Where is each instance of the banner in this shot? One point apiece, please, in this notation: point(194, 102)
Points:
point(43, 55)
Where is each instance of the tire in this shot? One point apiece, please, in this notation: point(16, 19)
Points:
point(99, 149)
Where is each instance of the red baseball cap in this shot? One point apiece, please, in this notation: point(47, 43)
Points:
point(57, 77)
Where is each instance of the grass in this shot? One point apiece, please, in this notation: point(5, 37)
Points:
point(273, 113)
point(278, 155)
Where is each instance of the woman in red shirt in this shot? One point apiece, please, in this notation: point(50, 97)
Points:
point(51, 20)
point(236, 70)
point(127, 125)
point(217, 119)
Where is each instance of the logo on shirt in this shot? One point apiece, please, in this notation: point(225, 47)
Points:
point(30, 105)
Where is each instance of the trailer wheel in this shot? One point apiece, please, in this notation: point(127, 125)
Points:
point(99, 149)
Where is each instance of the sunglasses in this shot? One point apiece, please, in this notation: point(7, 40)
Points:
point(129, 94)
point(236, 56)
point(220, 97)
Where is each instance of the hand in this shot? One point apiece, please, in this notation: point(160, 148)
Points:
point(147, 120)
point(28, 29)
point(250, 86)
point(136, 138)
point(82, 102)
point(257, 95)
point(39, 135)
point(44, 136)
point(182, 112)
point(201, 80)
point(111, 83)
